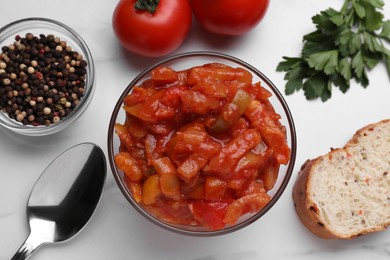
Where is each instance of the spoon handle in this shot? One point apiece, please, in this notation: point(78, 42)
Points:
point(27, 248)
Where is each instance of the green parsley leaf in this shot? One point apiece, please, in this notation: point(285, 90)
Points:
point(385, 34)
point(359, 9)
point(328, 20)
point(339, 81)
point(373, 19)
point(363, 80)
point(345, 68)
point(345, 37)
point(317, 86)
point(374, 3)
point(354, 44)
point(311, 46)
point(293, 85)
point(343, 47)
point(325, 61)
point(372, 60)
point(287, 63)
point(372, 42)
point(358, 64)
point(336, 17)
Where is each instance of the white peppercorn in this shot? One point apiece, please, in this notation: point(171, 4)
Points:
point(31, 118)
point(56, 119)
point(20, 117)
point(46, 110)
point(34, 63)
point(12, 76)
point(30, 70)
point(6, 82)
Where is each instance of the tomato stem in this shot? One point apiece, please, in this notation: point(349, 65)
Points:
point(148, 5)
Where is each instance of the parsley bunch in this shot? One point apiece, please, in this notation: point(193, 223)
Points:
point(344, 46)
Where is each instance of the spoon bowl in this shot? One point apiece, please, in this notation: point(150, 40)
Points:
point(65, 197)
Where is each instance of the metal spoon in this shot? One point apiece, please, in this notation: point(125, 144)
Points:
point(64, 197)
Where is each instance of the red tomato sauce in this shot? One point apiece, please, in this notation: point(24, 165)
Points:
point(201, 146)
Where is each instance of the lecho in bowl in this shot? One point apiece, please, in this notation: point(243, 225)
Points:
point(47, 76)
point(202, 144)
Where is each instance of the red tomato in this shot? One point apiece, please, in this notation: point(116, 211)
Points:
point(229, 17)
point(152, 34)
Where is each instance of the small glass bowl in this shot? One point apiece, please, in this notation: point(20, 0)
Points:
point(45, 26)
point(185, 61)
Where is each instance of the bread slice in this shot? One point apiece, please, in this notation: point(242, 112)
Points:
point(346, 193)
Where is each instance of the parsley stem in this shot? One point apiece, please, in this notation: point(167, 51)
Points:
point(346, 4)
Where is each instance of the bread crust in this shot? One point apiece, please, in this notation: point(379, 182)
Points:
point(306, 208)
point(361, 131)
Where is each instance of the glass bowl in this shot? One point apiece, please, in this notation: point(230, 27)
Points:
point(43, 26)
point(185, 61)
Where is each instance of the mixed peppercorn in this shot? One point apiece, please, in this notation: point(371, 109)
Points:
point(41, 79)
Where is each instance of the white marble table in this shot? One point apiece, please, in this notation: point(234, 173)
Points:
point(117, 231)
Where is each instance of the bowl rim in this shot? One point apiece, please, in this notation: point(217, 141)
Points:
point(206, 233)
point(30, 130)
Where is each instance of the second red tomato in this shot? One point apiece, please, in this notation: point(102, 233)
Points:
point(229, 17)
